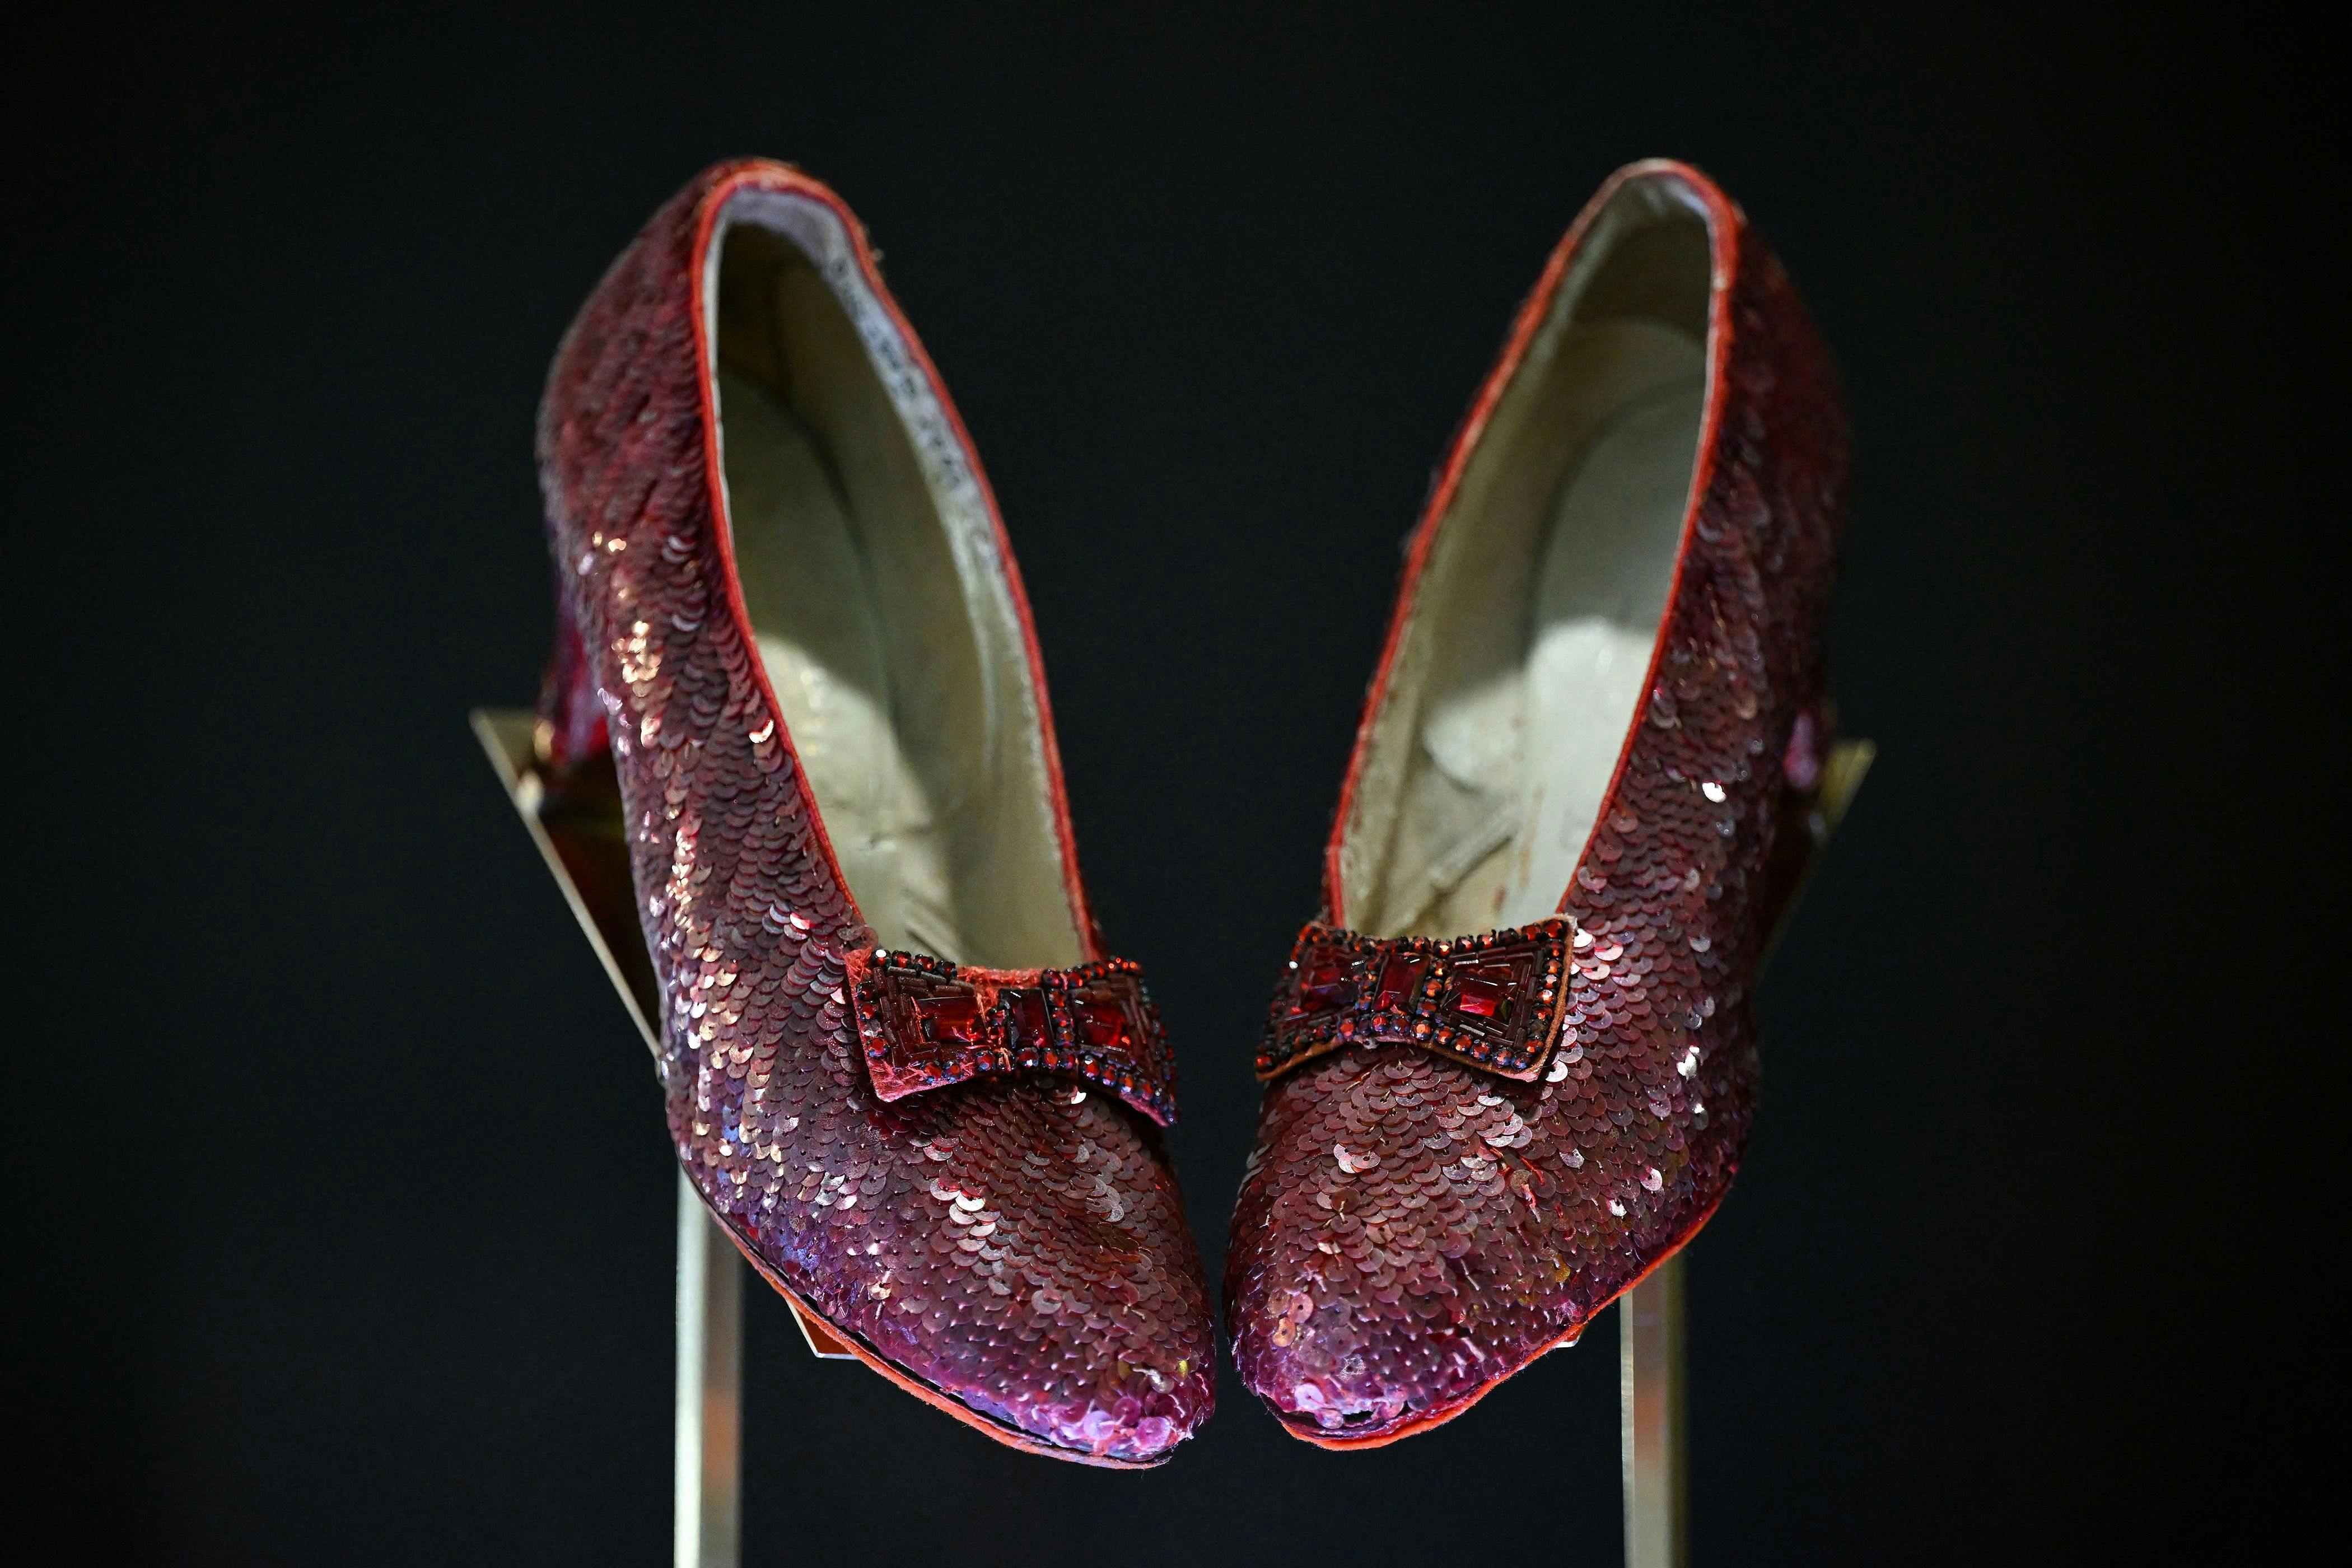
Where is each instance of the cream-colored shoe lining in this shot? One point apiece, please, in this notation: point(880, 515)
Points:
point(870, 568)
point(1523, 656)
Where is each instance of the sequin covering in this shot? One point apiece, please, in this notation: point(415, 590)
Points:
point(925, 1022)
point(1496, 1000)
point(1013, 1248)
point(1412, 1229)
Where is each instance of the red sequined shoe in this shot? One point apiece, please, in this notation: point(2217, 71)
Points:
point(1511, 1067)
point(900, 1068)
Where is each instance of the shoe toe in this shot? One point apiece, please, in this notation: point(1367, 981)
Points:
point(1039, 1272)
point(1385, 1271)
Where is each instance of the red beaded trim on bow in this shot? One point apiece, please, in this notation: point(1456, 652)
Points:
point(925, 1022)
point(1495, 1001)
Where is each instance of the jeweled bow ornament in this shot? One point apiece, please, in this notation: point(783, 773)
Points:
point(925, 1022)
point(1496, 1001)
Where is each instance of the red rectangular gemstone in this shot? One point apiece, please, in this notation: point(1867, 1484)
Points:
point(1102, 1024)
point(1398, 979)
point(1479, 996)
point(951, 1019)
point(1025, 1018)
point(1325, 982)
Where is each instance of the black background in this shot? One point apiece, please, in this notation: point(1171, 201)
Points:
point(341, 1230)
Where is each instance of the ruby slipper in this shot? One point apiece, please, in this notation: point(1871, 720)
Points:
point(1512, 1063)
point(794, 660)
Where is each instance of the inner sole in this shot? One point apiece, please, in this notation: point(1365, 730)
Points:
point(1601, 591)
point(879, 610)
point(1526, 647)
point(815, 615)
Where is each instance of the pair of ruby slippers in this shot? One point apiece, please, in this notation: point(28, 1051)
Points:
point(1510, 1065)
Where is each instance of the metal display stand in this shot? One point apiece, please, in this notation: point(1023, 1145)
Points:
point(586, 852)
point(708, 1470)
point(1652, 1429)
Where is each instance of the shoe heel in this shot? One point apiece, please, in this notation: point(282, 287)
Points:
point(571, 731)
